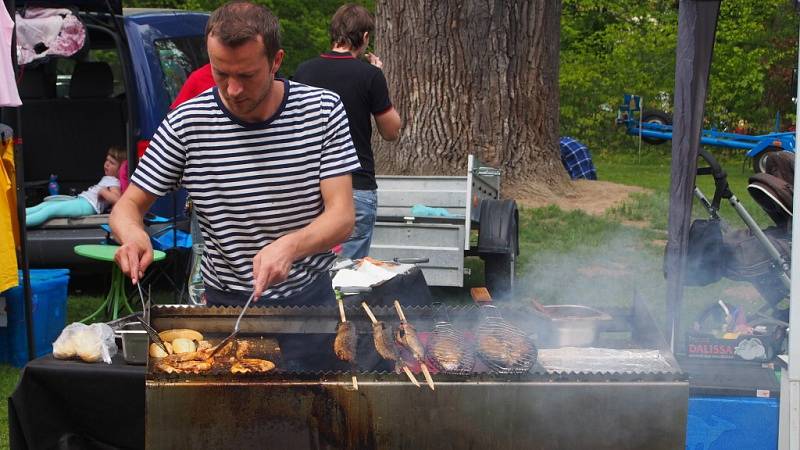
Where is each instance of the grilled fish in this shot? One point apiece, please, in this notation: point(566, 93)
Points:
point(383, 341)
point(406, 335)
point(508, 351)
point(345, 343)
point(446, 354)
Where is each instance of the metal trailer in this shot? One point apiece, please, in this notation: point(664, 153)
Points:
point(478, 224)
point(655, 127)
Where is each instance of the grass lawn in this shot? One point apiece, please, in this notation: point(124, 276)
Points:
point(571, 257)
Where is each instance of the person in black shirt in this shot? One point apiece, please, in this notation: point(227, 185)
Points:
point(362, 87)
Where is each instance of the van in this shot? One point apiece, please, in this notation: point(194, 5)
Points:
point(115, 91)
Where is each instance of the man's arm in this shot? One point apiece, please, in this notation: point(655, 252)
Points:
point(136, 252)
point(272, 264)
point(389, 124)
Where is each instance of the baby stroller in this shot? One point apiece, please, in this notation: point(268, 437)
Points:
point(760, 257)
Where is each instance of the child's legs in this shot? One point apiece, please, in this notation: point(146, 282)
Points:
point(36, 208)
point(78, 207)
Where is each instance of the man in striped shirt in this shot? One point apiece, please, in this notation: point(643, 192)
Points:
point(267, 163)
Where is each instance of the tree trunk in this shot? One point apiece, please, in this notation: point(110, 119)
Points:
point(472, 77)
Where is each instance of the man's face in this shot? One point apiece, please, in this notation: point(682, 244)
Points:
point(243, 75)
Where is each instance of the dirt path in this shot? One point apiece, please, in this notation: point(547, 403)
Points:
point(591, 197)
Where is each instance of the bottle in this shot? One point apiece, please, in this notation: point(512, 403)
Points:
point(52, 186)
point(197, 290)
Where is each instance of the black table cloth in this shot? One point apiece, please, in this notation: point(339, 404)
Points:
point(76, 405)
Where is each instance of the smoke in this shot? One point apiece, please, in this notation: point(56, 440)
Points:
point(604, 275)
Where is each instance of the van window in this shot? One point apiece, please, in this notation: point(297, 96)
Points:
point(65, 67)
point(179, 57)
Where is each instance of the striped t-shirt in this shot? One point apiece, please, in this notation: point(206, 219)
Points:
point(251, 183)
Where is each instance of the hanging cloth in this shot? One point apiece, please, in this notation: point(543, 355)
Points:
point(43, 32)
point(9, 227)
point(9, 96)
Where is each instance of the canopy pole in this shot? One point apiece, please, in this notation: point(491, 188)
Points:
point(792, 400)
point(20, 190)
point(697, 26)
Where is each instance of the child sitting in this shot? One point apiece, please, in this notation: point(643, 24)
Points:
point(94, 200)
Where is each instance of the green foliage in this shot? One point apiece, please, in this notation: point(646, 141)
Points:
point(304, 23)
point(610, 48)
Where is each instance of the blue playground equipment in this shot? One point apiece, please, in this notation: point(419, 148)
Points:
point(655, 127)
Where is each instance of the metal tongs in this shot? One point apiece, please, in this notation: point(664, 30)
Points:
point(235, 328)
point(145, 320)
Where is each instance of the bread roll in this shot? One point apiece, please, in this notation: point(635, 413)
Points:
point(157, 352)
point(178, 333)
point(183, 345)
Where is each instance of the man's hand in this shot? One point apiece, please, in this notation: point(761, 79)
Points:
point(374, 60)
point(136, 252)
point(135, 255)
point(271, 265)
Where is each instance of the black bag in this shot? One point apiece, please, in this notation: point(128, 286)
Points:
point(746, 259)
point(705, 255)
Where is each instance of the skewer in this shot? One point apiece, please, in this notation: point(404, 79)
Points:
point(425, 372)
point(344, 320)
point(399, 361)
point(341, 310)
point(369, 313)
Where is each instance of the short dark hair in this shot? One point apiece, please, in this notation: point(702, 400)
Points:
point(118, 153)
point(239, 21)
point(349, 24)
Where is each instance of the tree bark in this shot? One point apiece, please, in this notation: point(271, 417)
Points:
point(475, 77)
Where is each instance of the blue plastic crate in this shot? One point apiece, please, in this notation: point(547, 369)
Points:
point(49, 299)
point(731, 423)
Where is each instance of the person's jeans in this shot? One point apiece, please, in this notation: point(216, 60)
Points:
point(366, 205)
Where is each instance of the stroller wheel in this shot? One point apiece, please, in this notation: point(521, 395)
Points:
point(760, 160)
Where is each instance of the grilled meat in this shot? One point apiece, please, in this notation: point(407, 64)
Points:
point(345, 343)
point(383, 341)
point(190, 366)
point(508, 351)
point(406, 335)
point(247, 365)
point(199, 361)
point(447, 354)
point(242, 347)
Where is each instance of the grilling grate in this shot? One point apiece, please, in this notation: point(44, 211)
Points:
point(448, 350)
point(503, 347)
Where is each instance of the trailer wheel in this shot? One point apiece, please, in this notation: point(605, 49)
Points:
point(500, 274)
point(658, 117)
point(760, 160)
point(498, 244)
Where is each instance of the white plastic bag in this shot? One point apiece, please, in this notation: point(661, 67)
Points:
point(90, 343)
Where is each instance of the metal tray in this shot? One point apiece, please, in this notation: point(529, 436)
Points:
point(135, 343)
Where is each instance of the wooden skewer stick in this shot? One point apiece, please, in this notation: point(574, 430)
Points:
point(369, 312)
point(341, 310)
point(399, 358)
point(344, 319)
point(422, 365)
point(399, 311)
point(427, 374)
point(410, 375)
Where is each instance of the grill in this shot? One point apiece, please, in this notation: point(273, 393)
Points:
point(503, 347)
point(448, 350)
point(308, 401)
